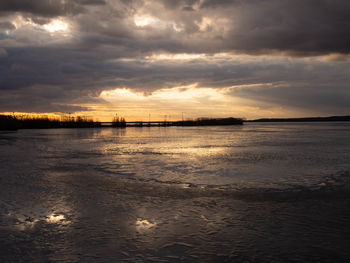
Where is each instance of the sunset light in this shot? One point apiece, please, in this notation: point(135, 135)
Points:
point(174, 131)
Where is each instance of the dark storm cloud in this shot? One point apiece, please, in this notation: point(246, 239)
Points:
point(296, 27)
point(29, 78)
point(105, 49)
point(45, 7)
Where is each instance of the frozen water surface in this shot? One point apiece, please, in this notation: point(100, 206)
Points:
point(261, 192)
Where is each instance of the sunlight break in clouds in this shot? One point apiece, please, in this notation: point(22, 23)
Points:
point(142, 21)
point(190, 100)
point(183, 56)
point(186, 94)
point(196, 102)
point(53, 26)
point(56, 25)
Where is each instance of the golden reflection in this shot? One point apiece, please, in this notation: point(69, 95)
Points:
point(196, 151)
point(143, 225)
point(25, 223)
point(57, 219)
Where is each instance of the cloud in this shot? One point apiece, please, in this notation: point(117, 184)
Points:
point(297, 51)
point(296, 28)
point(319, 99)
point(6, 26)
point(47, 8)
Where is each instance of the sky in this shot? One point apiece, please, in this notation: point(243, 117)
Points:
point(162, 59)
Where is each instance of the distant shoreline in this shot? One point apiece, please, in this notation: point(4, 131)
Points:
point(305, 119)
point(12, 123)
point(8, 123)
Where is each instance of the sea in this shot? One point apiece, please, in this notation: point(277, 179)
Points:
point(258, 192)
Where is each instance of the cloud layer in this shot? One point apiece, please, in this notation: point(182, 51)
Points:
point(58, 56)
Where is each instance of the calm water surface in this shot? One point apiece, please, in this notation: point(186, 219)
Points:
point(260, 192)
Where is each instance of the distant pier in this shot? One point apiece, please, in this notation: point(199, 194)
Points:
point(198, 122)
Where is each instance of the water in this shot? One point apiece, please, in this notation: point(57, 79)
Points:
point(260, 192)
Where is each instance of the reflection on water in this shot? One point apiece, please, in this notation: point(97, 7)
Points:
point(57, 219)
point(21, 222)
point(252, 155)
point(144, 225)
point(256, 193)
point(24, 222)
